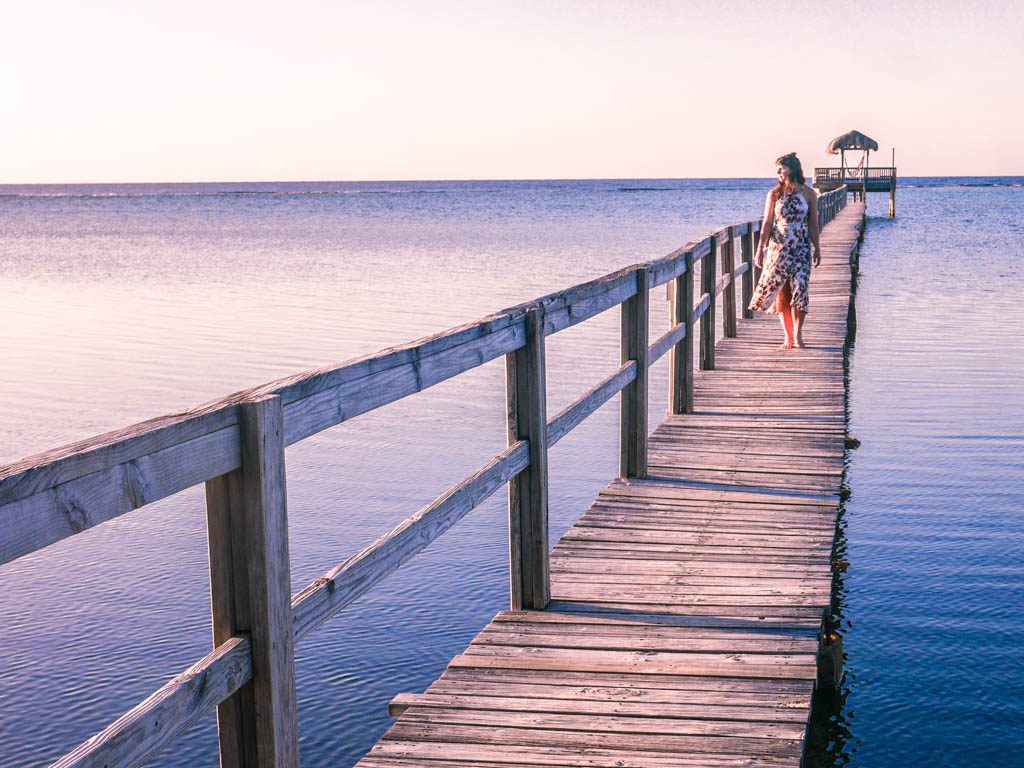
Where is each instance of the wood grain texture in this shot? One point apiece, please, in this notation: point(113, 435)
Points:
point(633, 418)
point(250, 593)
point(526, 394)
point(680, 395)
point(747, 264)
point(329, 594)
point(709, 291)
point(574, 414)
point(666, 342)
point(729, 290)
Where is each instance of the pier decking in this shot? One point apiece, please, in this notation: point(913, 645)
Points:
point(687, 608)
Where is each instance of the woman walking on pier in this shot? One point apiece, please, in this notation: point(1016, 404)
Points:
point(788, 231)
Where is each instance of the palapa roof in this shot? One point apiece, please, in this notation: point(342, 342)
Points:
point(851, 140)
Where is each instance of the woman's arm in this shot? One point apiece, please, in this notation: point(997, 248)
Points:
point(812, 222)
point(766, 227)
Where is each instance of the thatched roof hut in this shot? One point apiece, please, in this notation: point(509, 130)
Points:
point(852, 140)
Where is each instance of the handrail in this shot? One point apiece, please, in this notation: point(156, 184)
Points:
point(59, 493)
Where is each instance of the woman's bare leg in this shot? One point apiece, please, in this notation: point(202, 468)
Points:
point(784, 307)
point(798, 326)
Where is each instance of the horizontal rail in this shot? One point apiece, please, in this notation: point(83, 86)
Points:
point(661, 271)
point(327, 595)
point(146, 729)
point(572, 306)
point(740, 269)
point(573, 415)
point(668, 340)
point(700, 308)
point(721, 283)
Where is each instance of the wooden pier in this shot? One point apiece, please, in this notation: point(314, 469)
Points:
point(686, 613)
point(678, 623)
point(859, 179)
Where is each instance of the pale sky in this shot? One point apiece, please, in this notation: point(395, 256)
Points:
point(224, 90)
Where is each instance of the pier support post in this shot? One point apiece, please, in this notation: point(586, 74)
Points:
point(830, 656)
point(526, 382)
point(680, 393)
point(250, 589)
point(729, 292)
point(707, 320)
point(747, 257)
point(633, 420)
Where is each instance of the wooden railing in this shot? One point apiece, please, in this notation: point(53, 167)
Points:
point(881, 177)
point(235, 446)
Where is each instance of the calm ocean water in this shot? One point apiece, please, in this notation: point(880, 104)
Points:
point(125, 302)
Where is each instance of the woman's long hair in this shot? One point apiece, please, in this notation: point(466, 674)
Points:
point(796, 172)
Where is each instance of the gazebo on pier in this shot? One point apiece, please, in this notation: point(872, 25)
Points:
point(861, 178)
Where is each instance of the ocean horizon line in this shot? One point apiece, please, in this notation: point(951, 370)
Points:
point(475, 180)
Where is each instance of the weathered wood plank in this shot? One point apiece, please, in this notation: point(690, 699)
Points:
point(405, 730)
point(533, 635)
point(645, 662)
point(612, 684)
point(536, 701)
point(624, 688)
point(399, 752)
point(758, 729)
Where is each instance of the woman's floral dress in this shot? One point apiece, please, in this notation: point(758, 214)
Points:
point(789, 256)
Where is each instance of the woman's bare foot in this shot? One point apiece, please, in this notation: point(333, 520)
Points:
point(799, 344)
point(787, 344)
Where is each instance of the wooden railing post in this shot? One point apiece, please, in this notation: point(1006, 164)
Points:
point(729, 292)
point(757, 239)
point(747, 257)
point(680, 394)
point(250, 589)
point(633, 420)
point(707, 320)
point(525, 387)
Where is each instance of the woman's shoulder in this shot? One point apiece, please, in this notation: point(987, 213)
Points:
point(809, 193)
